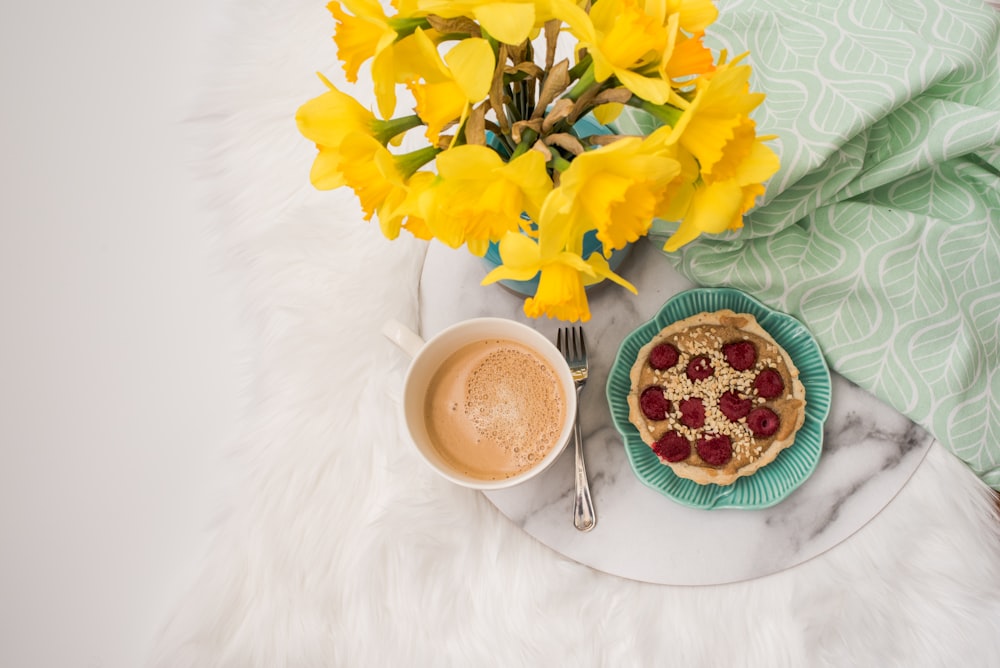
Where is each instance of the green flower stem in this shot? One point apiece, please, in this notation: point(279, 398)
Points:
point(384, 131)
point(409, 163)
point(528, 139)
point(584, 83)
point(507, 148)
point(666, 113)
point(577, 71)
point(559, 163)
point(494, 44)
point(406, 27)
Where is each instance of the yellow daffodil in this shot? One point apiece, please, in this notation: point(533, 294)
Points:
point(717, 131)
point(713, 208)
point(685, 55)
point(718, 205)
point(561, 292)
point(403, 210)
point(334, 115)
point(718, 114)
point(327, 120)
point(363, 31)
point(363, 34)
point(622, 38)
point(688, 56)
point(734, 153)
point(380, 180)
point(445, 88)
point(479, 197)
point(368, 168)
point(616, 189)
point(367, 33)
point(563, 275)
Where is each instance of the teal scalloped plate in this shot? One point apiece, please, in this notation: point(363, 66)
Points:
point(773, 482)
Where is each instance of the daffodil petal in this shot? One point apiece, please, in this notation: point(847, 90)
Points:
point(505, 273)
point(554, 225)
point(356, 37)
point(576, 263)
point(429, 65)
point(465, 159)
point(560, 295)
point(576, 18)
point(364, 8)
point(760, 165)
point(325, 173)
point(602, 270)
point(529, 173)
point(684, 235)
point(519, 252)
point(438, 105)
point(471, 62)
point(656, 91)
point(509, 22)
point(384, 80)
point(714, 208)
point(327, 118)
point(696, 15)
point(477, 247)
point(717, 205)
point(607, 113)
point(603, 68)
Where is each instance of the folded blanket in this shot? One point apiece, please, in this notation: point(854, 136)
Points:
point(882, 229)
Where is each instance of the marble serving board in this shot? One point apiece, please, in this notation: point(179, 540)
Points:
point(869, 452)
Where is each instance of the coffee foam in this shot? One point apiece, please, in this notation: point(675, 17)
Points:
point(513, 400)
point(494, 409)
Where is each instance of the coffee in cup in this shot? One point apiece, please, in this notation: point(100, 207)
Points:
point(494, 409)
point(489, 402)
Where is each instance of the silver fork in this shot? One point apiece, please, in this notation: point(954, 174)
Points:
point(571, 343)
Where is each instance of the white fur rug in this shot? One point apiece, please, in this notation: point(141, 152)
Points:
point(338, 548)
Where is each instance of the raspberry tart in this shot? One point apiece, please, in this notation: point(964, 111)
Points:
point(716, 397)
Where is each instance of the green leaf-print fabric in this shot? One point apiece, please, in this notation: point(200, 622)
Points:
point(881, 231)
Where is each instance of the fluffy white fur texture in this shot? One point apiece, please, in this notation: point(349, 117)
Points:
point(338, 548)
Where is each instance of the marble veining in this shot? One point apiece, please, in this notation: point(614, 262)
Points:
point(869, 452)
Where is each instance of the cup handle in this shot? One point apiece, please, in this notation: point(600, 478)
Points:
point(402, 336)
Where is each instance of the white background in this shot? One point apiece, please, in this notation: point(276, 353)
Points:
point(121, 347)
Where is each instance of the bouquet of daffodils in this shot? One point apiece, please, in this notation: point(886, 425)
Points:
point(502, 159)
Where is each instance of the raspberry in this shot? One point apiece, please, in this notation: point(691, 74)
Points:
point(763, 422)
point(715, 449)
point(699, 368)
point(692, 413)
point(663, 356)
point(741, 355)
point(673, 447)
point(654, 405)
point(768, 384)
point(734, 407)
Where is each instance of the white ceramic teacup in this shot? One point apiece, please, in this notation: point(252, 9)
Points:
point(427, 359)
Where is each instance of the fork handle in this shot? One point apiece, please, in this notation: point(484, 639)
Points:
point(584, 517)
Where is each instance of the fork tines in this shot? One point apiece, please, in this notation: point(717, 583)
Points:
point(571, 343)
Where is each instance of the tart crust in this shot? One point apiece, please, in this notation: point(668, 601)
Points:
point(704, 334)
